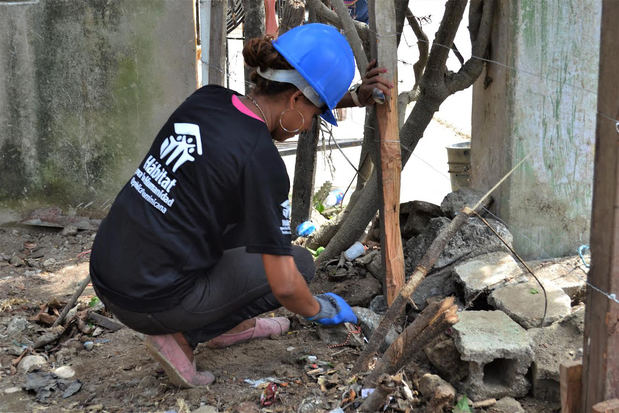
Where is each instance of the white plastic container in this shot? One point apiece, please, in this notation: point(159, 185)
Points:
point(355, 250)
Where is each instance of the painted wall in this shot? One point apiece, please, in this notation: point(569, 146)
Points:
point(84, 88)
point(541, 100)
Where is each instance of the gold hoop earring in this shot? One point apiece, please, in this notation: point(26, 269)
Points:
point(281, 115)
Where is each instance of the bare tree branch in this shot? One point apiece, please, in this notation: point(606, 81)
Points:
point(480, 22)
point(435, 69)
point(405, 98)
point(351, 34)
point(331, 17)
point(422, 45)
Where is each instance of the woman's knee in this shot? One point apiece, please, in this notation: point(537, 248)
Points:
point(304, 261)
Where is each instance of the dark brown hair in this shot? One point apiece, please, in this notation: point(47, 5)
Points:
point(260, 53)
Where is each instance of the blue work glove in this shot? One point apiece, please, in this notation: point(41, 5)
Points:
point(333, 310)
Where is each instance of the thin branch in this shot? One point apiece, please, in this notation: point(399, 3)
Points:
point(332, 18)
point(422, 45)
point(480, 39)
point(435, 69)
point(351, 34)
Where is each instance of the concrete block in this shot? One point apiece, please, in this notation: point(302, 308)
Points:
point(553, 345)
point(567, 273)
point(485, 272)
point(524, 303)
point(498, 351)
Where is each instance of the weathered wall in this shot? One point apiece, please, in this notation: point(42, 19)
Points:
point(84, 88)
point(542, 102)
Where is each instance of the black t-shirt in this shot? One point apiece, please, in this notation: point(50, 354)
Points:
point(210, 168)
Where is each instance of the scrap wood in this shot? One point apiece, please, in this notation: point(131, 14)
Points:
point(379, 397)
point(435, 319)
point(425, 265)
point(104, 321)
point(50, 336)
point(80, 289)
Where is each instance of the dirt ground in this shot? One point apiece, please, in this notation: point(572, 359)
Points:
point(118, 375)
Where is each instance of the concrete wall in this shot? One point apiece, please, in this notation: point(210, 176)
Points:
point(84, 88)
point(545, 107)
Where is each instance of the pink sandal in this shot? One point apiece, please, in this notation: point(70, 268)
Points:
point(170, 351)
point(265, 327)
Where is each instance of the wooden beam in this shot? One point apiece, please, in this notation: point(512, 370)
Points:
point(609, 406)
point(601, 340)
point(571, 386)
point(384, 49)
point(213, 40)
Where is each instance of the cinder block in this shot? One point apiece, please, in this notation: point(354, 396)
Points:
point(499, 354)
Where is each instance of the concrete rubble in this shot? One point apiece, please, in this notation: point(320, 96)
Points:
point(506, 405)
point(455, 201)
point(498, 351)
point(485, 272)
point(552, 346)
point(524, 302)
point(474, 238)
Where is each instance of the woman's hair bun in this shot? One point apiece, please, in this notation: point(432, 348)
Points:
point(260, 53)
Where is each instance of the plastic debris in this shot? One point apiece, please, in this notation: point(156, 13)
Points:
point(269, 395)
point(306, 228)
point(260, 382)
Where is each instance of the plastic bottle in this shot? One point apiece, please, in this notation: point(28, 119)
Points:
point(306, 228)
point(355, 250)
point(335, 197)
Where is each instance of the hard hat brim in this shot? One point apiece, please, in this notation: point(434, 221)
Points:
point(328, 116)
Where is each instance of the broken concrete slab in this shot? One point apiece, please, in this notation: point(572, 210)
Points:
point(472, 239)
point(455, 201)
point(498, 351)
point(524, 302)
point(552, 346)
point(567, 273)
point(484, 273)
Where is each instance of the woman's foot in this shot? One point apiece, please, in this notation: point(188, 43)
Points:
point(176, 357)
point(250, 329)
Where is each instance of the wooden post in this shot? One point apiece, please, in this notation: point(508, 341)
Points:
point(601, 341)
point(609, 406)
point(571, 386)
point(213, 40)
point(384, 48)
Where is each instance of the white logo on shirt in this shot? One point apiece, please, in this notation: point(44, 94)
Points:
point(181, 147)
point(285, 228)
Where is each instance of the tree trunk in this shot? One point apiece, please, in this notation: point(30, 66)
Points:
point(304, 172)
point(292, 15)
point(253, 25)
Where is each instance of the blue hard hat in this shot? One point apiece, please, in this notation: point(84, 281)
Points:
point(323, 57)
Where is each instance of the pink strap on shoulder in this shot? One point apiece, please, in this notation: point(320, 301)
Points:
point(244, 109)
